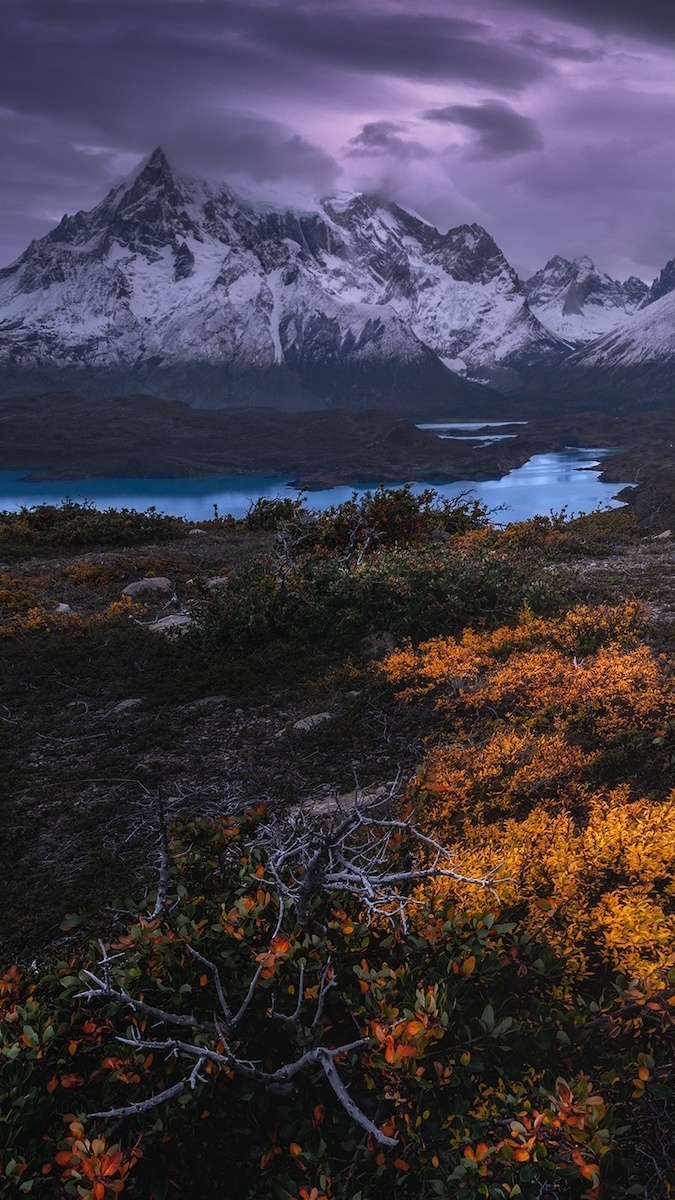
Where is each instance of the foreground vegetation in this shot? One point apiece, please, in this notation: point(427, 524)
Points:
point(457, 980)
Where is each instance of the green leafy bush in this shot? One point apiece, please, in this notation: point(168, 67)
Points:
point(413, 592)
point(72, 525)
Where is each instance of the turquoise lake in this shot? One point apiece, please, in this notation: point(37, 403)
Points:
point(547, 482)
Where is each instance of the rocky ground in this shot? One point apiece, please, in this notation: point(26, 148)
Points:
point(96, 725)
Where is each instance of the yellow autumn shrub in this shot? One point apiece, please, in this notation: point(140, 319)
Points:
point(525, 716)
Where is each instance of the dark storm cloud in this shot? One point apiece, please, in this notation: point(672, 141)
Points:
point(646, 18)
point(420, 45)
point(384, 137)
point(254, 147)
point(499, 130)
point(68, 44)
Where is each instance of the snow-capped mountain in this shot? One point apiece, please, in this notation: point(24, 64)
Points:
point(647, 337)
point(180, 286)
point(580, 303)
point(631, 368)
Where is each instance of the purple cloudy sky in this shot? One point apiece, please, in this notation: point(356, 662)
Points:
point(551, 122)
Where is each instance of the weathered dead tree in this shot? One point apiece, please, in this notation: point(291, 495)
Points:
point(357, 854)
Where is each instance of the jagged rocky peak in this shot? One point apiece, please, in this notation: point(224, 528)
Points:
point(662, 286)
point(578, 301)
point(576, 282)
point(469, 254)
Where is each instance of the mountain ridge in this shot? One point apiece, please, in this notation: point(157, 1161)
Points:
point(170, 277)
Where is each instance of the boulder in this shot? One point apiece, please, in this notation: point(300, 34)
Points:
point(218, 581)
point(62, 609)
point(125, 705)
point(172, 626)
point(157, 583)
point(310, 722)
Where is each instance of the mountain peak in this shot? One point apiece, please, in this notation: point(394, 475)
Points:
point(584, 263)
point(155, 170)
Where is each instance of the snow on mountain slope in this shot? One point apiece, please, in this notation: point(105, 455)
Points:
point(170, 273)
point(578, 302)
point(456, 290)
point(647, 337)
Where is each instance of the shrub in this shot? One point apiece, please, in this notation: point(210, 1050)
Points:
point(72, 525)
point(413, 591)
point(490, 1077)
point(270, 514)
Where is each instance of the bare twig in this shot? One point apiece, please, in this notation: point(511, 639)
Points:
point(165, 862)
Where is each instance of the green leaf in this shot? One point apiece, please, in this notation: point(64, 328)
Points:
point(487, 1018)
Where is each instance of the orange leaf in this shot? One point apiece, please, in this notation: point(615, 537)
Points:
point(401, 1165)
point(99, 1191)
point(320, 1114)
point(53, 1083)
point(63, 1158)
point(72, 1081)
point(414, 1027)
point(469, 965)
point(295, 1149)
point(111, 1163)
point(522, 1154)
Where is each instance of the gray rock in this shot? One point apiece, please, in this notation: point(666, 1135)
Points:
point(310, 722)
point(196, 532)
point(63, 608)
point(172, 626)
point(666, 534)
point(218, 581)
point(125, 705)
point(376, 645)
point(156, 583)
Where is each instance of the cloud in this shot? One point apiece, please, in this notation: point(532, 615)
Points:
point(416, 45)
point(648, 18)
point(561, 49)
point(383, 137)
point(256, 148)
point(500, 131)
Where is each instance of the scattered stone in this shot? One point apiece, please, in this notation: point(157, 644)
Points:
point(125, 705)
point(376, 645)
point(196, 531)
point(218, 581)
point(310, 722)
point(155, 584)
point(207, 702)
point(352, 695)
point(63, 608)
point(660, 536)
point(172, 626)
